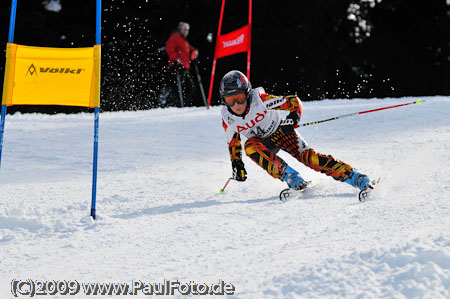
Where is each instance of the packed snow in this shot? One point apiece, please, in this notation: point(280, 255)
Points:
point(160, 215)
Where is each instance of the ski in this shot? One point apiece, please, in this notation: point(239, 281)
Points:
point(288, 193)
point(365, 193)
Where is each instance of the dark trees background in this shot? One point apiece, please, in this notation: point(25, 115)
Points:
point(314, 48)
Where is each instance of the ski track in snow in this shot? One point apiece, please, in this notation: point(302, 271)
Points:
point(160, 215)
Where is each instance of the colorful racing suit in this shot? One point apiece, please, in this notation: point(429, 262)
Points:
point(260, 124)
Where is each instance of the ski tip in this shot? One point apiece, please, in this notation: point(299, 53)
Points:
point(419, 101)
point(222, 191)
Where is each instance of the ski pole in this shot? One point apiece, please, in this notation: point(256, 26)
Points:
point(226, 184)
point(180, 91)
point(199, 79)
point(357, 113)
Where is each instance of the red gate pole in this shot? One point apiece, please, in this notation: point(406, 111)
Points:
point(215, 59)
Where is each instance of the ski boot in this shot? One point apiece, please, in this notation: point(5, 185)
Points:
point(362, 182)
point(294, 181)
point(358, 180)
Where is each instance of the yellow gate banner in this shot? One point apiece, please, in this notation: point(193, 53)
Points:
point(52, 76)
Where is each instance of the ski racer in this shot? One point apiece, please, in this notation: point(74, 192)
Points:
point(255, 115)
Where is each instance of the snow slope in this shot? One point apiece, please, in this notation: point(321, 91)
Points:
point(160, 214)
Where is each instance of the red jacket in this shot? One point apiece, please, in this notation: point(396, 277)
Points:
point(177, 47)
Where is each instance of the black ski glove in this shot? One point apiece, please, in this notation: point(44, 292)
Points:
point(239, 173)
point(287, 126)
point(294, 117)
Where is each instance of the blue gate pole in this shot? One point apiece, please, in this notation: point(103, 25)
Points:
point(98, 39)
point(2, 129)
point(12, 23)
point(94, 168)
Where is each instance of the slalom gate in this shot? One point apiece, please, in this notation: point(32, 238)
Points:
point(54, 76)
point(234, 42)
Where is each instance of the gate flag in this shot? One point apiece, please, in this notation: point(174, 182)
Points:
point(52, 76)
point(234, 42)
point(231, 43)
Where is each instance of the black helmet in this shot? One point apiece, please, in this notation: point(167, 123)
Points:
point(234, 82)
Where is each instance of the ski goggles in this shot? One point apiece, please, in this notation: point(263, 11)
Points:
point(239, 98)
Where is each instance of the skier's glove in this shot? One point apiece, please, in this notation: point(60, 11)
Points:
point(294, 117)
point(287, 126)
point(239, 173)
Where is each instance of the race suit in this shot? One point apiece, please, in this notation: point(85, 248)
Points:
point(260, 124)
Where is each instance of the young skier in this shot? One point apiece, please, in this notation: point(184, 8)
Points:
point(255, 115)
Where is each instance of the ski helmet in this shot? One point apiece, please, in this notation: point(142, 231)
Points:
point(233, 83)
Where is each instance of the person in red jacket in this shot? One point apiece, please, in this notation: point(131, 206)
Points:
point(181, 53)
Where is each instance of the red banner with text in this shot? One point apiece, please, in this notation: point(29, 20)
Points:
point(234, 42)
point(237, 41)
